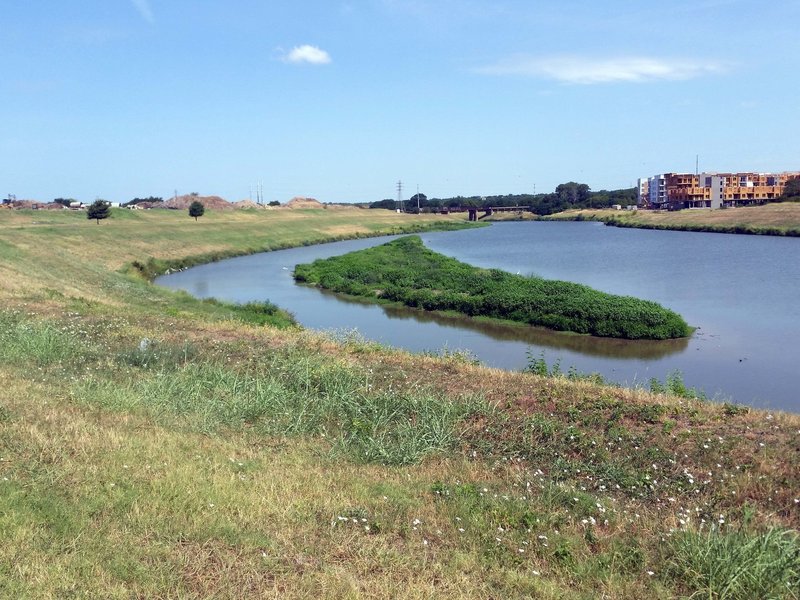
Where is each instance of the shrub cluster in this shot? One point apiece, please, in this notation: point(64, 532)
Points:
point(405, 271)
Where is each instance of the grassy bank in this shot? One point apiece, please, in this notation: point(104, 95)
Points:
point(152, 445)
point(770, 219)
point(405, 271)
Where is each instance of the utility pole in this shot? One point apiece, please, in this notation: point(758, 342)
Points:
point(400, 194)
point(417, 198)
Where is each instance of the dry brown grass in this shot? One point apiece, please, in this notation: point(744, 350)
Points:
point(784, 215)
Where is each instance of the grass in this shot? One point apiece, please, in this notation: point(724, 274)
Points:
point(770, 219)
point(154, 445)
point(736, 565)
point(404, 271)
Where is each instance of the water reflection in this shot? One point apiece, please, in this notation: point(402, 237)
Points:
point(534, 336)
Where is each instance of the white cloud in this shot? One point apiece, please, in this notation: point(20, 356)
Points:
point(143, 6)
point(307, 54)
point(583, 70)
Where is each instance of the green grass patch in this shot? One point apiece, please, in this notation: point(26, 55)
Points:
point(288, 396)
point(735, 565)
point(30, 343)
point(405, 271)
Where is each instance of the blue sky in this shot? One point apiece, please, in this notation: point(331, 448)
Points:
point(338, 100)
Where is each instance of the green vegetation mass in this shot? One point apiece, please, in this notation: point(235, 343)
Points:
point(405, 271)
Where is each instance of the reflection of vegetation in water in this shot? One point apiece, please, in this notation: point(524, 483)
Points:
point(405, 271)
point(539, 336)
point(535, 336)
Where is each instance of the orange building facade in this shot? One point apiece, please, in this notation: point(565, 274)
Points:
point(675, 191)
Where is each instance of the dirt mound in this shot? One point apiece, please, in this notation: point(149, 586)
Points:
point(23, 204)
point(301, 202)
point(246, 204)
point(209, 202)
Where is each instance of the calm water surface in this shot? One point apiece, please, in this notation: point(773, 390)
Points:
point(741, 292)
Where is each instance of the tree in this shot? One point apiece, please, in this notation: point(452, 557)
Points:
point(196, 209)
point(99, 209)
point(791, 190)
point(420, 200)
point(573, 193)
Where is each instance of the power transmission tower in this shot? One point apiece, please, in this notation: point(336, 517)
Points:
point(400, 194)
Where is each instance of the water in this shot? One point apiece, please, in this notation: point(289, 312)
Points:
point(741, 292)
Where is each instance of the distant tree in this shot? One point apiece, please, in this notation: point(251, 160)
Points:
point(386, 203)
point(274, 203)
point(99, 209)
point(423, 200)
point(64, 201)
point(196, 209)
point(791, 190)
point(573, 193)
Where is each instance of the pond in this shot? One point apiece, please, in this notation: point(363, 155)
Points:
point(739, 291)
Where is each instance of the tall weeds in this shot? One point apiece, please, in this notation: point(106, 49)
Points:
point(736, 565)
point(291, 395)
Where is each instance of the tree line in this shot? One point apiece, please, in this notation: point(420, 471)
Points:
point(566, 195)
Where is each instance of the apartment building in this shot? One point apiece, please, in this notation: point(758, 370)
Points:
point(674, 191)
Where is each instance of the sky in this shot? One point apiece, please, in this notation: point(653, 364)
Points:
point(340, 100)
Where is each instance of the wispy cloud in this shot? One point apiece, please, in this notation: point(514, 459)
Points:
point(143, 6)
point(307, 54)
point(587, 71)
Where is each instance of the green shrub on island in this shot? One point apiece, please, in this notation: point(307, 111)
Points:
point(406, 272)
